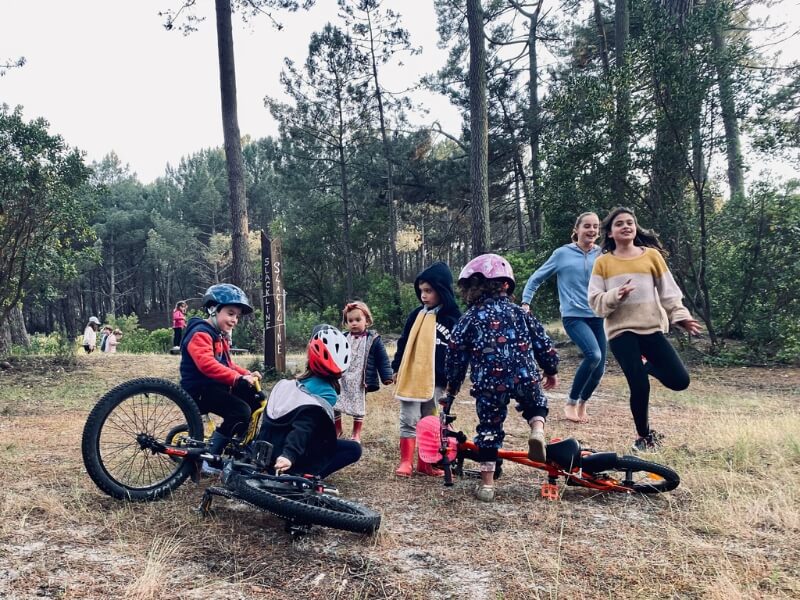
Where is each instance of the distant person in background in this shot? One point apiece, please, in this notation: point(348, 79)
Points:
point(90, 335)
point(572, 265)
point(112, 340)
point(106, 331)
point(178, 323)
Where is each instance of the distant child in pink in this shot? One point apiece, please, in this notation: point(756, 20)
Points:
point(178, 322)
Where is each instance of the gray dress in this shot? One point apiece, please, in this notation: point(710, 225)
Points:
point(352, 400)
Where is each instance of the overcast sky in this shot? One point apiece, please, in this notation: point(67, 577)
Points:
point(108, 76)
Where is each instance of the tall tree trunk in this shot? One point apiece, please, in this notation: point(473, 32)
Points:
point(112, 279)
point(348, 252)
point(602, 42)
point(733, 147)
point(19, 333)
point(240, 274)
point(386, 155)
point(518, 209)
point(479, 130)
point(622, 125)
point(534, 123)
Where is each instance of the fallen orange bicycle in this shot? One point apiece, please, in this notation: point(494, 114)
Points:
point(603, 471)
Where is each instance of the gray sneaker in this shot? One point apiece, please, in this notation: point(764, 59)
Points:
point(537, 447)
point(485, 493)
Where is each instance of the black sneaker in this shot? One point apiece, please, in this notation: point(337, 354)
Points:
point(650, 443)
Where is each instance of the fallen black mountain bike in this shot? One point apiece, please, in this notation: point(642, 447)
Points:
point(146, 437)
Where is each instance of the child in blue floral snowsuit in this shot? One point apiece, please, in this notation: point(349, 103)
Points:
point(502, 344)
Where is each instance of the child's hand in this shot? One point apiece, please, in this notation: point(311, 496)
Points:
point(550, 381)
point(255, 374)
point(389, 381)
point(251, 379)
point(690, 325)
point(624, 290)
point(282, 464)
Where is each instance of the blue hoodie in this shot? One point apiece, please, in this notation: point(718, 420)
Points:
point(573, 267)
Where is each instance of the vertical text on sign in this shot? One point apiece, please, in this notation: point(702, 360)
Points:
point(279, 304)
point(268, 297)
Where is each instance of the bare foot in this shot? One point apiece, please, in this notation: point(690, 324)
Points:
point(582, 414)
point(571, 413)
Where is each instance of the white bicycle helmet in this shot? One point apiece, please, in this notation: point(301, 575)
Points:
point(328, 351)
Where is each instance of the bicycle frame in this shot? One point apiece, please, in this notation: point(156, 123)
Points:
point(567, 460)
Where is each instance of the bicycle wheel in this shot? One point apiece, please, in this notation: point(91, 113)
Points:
point(640, 475)
point(307, 506)
point(114, 448)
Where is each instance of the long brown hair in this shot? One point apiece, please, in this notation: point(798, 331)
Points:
point(644, 237)
point(581, 217)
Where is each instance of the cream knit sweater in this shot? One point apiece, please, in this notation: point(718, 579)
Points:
point(651, 307)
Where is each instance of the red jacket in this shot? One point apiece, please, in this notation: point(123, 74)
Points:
point(206, 358)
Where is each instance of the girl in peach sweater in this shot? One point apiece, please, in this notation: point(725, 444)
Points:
point(633, 289)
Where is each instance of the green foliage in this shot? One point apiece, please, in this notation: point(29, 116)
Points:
point(249, 333)
point(57, 344)
point(545, 303)
point(389, 303)
point(43, 211)
point(755, 270)
point(299, 324)
point(137, 340)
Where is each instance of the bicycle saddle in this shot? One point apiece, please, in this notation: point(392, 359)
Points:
point(565, 453)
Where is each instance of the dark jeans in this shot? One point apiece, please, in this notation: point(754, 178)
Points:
point(177, 335)
point(590, 337)
point(234, 406)
point(663, 363)
point(347, 452)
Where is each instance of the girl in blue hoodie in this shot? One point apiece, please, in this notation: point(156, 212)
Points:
point(572, 264)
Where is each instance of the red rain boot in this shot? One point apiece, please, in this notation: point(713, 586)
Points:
point(407, 446)
point(357, 425)
point(424, 468)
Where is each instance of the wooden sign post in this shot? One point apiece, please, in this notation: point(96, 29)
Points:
point(274, 304)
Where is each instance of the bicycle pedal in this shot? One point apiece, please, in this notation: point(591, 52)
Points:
point(550, 491)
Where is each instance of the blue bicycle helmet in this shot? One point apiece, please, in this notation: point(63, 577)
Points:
point(225, 294)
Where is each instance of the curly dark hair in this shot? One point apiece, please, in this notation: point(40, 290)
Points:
point(476, 286)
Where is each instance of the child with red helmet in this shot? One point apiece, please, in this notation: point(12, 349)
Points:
point(499, 342)
point(299, 418)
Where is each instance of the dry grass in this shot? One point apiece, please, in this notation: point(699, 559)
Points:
point(729, 531)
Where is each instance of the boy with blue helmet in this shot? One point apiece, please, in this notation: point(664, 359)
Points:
point(208, 373)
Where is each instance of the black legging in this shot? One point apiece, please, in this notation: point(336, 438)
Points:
point(177, 335)
point(234, 406)
point(663, 363)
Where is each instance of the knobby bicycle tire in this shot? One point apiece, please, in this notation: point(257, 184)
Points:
point(640, 476)
point(116, 461)
point(307, 506)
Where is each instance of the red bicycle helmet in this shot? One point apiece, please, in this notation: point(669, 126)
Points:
point(328, 351)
